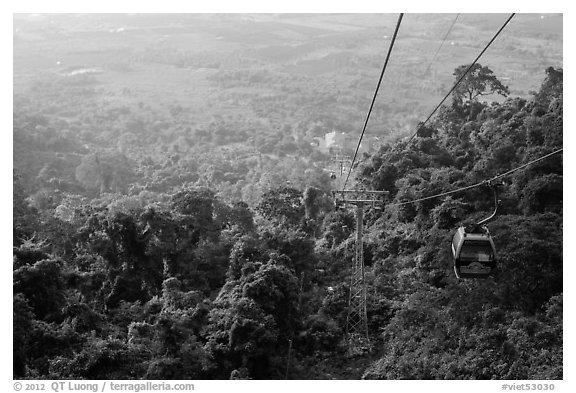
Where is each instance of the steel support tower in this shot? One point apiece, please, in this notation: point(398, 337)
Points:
point(341, 160)
point(356, 320)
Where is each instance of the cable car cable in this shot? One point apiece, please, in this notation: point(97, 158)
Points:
point(525, 165)
point(437, 107)
point(463, 75)
point(441, 45)
point(374, 98)
point(479, 183)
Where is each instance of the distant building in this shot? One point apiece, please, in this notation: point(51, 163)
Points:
point(333, 142)
point(336, 142)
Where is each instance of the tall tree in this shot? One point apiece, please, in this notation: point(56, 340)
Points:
point(479, 81)
point(282, 204)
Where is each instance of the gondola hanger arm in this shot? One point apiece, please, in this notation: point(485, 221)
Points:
point(494, 186)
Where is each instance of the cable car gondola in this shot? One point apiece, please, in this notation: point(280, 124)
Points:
point(473, 249)
point(474, 253)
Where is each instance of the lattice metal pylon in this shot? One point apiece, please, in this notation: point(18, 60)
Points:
point(357, 318)
point(356, 322)
point(341, 160)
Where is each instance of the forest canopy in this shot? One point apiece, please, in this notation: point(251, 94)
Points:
point(119, 273)
point(173, 215)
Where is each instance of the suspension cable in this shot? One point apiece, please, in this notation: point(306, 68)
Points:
point(441, 45)
point(374, 98)
point(462, 77)
point(479, 183)
point(525, 165)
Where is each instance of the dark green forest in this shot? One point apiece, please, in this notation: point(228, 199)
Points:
point(173, 219)
point(114, 278)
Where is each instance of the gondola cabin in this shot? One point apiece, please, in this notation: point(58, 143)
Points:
point(473, 252)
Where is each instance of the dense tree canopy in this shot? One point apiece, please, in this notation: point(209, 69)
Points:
point(170, 262)
point(477, 80)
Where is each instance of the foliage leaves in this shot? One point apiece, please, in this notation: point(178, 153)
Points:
point(153, 273)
